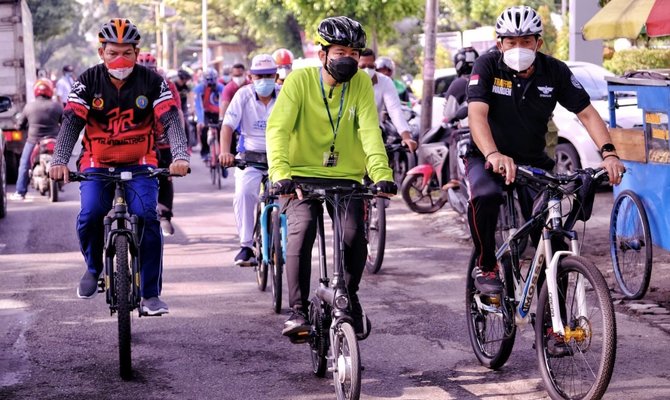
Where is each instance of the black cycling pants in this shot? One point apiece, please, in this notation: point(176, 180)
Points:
point(301, 217)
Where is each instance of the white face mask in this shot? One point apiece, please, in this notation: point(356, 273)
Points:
point(519, 59)
point(120, 73)
point(370, 71)
point(239, 80)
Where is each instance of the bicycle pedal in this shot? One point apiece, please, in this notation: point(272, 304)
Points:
point(300, 337)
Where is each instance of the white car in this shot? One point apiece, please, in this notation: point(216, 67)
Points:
point(575, 148)
point(443, 78)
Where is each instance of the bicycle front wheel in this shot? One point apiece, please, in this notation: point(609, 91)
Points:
point(630, 245)
point(490, 321)
point(422, 200)
point(261, 264)
point(346, 363)
point(579, 364)
point(277, 261)
point(123, 304)
point(376, 234)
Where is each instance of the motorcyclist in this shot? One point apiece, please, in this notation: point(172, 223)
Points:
point(42, 118)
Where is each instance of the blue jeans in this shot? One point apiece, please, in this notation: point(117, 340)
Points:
point(24, 166)
point(142, 199)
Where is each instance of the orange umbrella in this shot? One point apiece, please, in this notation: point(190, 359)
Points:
point(628, 19)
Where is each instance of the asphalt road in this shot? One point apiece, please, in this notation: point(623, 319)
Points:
point(222, 341)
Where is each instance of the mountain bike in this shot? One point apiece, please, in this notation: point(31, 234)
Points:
point(333, 342)
point(120, 279)
point(574, 322)
point(215, 168)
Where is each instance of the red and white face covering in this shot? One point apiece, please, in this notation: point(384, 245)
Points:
point(120, 67)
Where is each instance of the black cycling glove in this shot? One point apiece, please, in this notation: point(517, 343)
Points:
point(387, 187)
point(284, 187)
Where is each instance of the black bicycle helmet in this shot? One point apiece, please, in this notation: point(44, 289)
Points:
point(184, 75)
point(464, 59)
point(119, 30)
point(343, 31)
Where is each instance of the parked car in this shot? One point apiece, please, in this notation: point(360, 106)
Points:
point(5, 104)
point(575, 148)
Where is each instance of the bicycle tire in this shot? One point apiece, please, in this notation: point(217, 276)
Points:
point(490, 331)
point(261, 265)
point(319, 342)
point(630, 240)
point(375, 229)
point(346, 355)
point(585, 354)
point(53, 191)
point(123, 305)
point(419, 202)
point(277, 262)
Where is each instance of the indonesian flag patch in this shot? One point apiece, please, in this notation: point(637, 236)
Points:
point(474, 80)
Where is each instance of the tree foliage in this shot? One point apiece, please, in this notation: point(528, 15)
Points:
point(52, 17)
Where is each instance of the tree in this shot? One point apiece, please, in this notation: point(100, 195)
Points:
point(52, 17)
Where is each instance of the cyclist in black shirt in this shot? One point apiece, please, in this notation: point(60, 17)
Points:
point(511, 96)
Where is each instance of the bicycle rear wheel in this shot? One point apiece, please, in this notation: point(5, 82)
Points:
point(491, 326)
point(123, 304)
point(376, 233)
point(578, 365)
point(277, 261)
point(630, 245)
point(346, 362)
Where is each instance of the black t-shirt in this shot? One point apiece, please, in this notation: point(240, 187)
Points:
point(519, 109)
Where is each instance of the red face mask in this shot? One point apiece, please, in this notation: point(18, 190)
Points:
point(120, 67)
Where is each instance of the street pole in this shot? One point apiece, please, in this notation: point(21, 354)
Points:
point(159, 45)
point(165, 47)
point(428, 65)
point(204, 34)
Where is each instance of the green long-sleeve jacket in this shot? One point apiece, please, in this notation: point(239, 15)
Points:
point(299, 131)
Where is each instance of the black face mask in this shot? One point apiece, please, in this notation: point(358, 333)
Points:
point(342, 69)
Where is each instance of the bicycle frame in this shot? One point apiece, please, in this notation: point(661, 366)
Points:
point(116, 223)
point(526, 288)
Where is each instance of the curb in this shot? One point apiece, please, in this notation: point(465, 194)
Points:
point(648, 311)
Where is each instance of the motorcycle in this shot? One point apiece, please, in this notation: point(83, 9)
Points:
point(40, 159)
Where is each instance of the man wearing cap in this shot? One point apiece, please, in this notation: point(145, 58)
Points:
point(248, 112)
point(64, 84)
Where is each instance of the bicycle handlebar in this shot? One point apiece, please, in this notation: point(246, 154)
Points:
point(322, 189)
point(538, 175)
point(111, 175)
point(242, 164)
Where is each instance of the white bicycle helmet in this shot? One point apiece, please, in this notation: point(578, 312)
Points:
point(518, 21)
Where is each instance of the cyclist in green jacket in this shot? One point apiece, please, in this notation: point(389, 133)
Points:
point(325, 125)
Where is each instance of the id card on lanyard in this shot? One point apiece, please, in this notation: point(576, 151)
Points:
point(330, 157)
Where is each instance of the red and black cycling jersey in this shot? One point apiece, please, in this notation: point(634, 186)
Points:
point(120, 121)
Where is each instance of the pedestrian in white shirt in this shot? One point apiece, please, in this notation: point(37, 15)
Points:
point(64, 84)
point(386, 97)
point(248, 112)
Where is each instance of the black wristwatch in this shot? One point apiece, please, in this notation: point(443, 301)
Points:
point(607, 148)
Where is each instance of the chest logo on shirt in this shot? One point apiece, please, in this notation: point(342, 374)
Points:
point(120, 121)
point(142, 102)
point(98, 103)
point(501, 86)
point(352, 112)
point(545, 91)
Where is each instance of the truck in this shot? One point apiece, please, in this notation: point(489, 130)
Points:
point(17, 76)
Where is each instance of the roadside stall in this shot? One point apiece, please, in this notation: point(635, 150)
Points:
point(640, 218)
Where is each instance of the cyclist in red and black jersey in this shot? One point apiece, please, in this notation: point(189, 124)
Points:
point(118, 103)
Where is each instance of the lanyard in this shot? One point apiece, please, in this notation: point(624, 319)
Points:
point(335, 126)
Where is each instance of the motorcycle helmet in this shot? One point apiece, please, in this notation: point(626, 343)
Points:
point(464, 59)
point(210, 76)
point(43, 87)
point(283, 57)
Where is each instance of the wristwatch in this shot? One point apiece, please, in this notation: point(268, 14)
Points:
point(607, 148)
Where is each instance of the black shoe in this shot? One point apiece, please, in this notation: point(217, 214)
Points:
point(487, 282)
point(88, 286)
point(245, 258)
point(296, 324)
point(362, 324)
